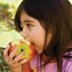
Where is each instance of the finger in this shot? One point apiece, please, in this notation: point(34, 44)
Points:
point(12, 54)
point(18, 57)
point(23, 61)
point(5, 53)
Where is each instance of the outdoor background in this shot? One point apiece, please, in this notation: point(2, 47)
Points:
point(7, 28)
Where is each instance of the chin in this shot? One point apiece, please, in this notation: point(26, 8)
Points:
point(37, 52)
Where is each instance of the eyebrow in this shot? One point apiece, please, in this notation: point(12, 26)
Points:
point(28, 21)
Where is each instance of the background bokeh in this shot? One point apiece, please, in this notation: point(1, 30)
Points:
point(7, 28)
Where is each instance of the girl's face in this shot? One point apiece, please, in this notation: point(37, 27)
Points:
point(33, 31)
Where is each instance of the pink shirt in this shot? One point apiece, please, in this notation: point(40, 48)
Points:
point(51, 67)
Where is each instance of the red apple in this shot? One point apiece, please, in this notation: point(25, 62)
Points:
point(23, 46)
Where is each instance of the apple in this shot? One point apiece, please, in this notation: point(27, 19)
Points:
point(23, 46)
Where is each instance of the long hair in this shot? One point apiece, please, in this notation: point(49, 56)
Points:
point(57, 18)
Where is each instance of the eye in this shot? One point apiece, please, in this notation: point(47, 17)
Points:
point(21, 25)
point(29, 25)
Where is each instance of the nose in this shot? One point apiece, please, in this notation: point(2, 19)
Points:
point(24, 33)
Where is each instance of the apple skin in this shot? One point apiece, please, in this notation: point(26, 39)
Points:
point(22, 46)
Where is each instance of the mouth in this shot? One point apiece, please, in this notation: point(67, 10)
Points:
point(33, 43)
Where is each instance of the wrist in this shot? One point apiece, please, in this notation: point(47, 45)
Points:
point(16, 69)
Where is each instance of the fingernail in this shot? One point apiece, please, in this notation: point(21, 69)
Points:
point(26, 59)
point(22, 53)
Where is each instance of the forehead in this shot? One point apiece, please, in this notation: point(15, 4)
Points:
point(25, 16)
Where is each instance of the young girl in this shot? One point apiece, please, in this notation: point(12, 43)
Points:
point(48, 25)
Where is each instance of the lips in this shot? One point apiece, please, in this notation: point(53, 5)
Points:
point(30, 41)
point(33, 43)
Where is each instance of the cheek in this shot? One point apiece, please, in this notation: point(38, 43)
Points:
point(38, 38)
point(33, 36)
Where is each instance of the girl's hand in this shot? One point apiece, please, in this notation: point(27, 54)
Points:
point(14, 64)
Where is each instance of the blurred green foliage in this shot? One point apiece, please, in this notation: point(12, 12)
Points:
point(7, 14)
point(3, 65)
point(7, 28)
point(4, 5)
point(10, 5)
